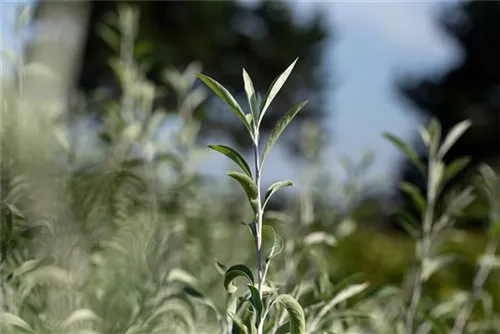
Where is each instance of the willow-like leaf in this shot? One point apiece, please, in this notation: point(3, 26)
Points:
point(279, 128)
point(235, 271)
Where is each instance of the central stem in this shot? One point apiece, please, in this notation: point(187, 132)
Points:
point(424, 251)
point(259, 213)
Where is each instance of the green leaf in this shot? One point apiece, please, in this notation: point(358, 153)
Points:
point(317, 238)
point(278, 242)
point(221, 267)
point(451, 138)
point(431, 265)
point(347, 293)
point(14, 321)
point(238, 326)
point(278, 129)
point(201, 298)
point(233, 155)
point(409, 223)
point(295, 313)
point(109, 35)
point(274, 188)
point(284, 329)
point(252, 98)
point(235, 271)
point(256, 302)
point(253, 228)
point(406, 149)
point(434, 130)
point(437, 324)
point(415, 195)
point(455, 167)
point(225, 96)
point(79, 315)
point(275, 88)
point(248, 186)
point(435, 180)
point(494, 230)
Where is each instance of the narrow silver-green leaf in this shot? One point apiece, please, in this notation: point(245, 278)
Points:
point(221, 267)
point(279, 128)
point(248, 186)
point(347, 293)
point(274, 188)
point(434, 130)
point(252, 98)
point(295, 313)
point(233, 155)
point(275, 88)
point(455, 167)
point(406, 149)
point(415, 195)
point(278, 243)
point(14, 321)
point(225, 96)
point(451, 138)
point(238, 326)
point(256, 302)
point(235, 271)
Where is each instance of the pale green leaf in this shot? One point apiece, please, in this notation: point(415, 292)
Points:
point(430, 266)
point(14, 321)
point(274, 188)
point(233, 155)
point(317, 238)
point(347, 293)
point(455, 167)
point(252, 98)
point(279, 128)
point(256, 302)
point(278, 242)
point(451, 138)
point(79, 316)
point(415, 195)
point(434, 130)
point(221, 267)
point(181, 276)
point(225, 96)
point(406, 149)
point(275, 88)
point(295, 313)
point(238, 326)
point(248, 186)
point(235, 271)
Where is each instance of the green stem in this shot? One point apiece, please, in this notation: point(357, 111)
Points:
point(425, 250)
point(259, 215)
point(258, 167)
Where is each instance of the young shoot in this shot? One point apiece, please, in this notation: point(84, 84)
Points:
point(260, 300)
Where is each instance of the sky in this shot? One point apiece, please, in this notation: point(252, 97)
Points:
point(373, 42)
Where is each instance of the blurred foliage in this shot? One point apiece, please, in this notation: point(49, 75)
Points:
point(469, 89)
point(154, 225)
point(224, 36)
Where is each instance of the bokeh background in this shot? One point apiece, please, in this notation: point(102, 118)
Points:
point(366, 67)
